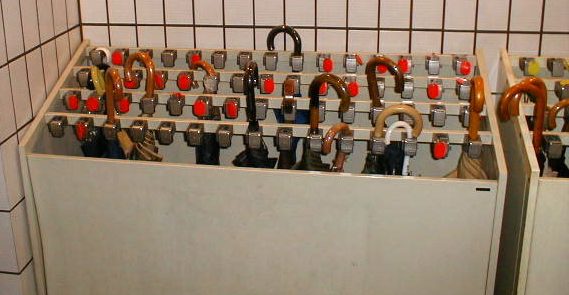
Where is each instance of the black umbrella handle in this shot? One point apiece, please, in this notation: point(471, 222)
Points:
point(250, 81)
point(288, 30)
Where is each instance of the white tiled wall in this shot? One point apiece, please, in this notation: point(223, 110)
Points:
point(36, 40)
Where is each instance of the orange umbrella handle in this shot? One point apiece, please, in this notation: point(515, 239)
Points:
point(341, 157)
point(553, 111)
point(314, 92)
point(114, 91)
point(372, 77)
point(148, 63)
point(378, 132)
point(477, 99)
point(207, 67)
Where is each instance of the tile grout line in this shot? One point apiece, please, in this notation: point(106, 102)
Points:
point(541, 26)
point(25, 60)
point(9, 78)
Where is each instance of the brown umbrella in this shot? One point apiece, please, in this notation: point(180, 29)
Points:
point(311, 159)
point(119, 145)
point(559, 165)
point(376, 104)
point(341, 157)
point(147, 149)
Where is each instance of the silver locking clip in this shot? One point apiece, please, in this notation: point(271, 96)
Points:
point(377, 145)
point(56, 126)
point(175, 104)
point(263, 80)
point(556, 66)
point(163, 79)
point(296, 62)
point(410, 146)
point(169, 57)
point(473, 147)
point(405, 64)
point(236, 83)
point(231, 107)
point(320, 58)
point(553, 146)
point(528, 65)
point(224, 133)
point(459, 64)
point(464, 115)
point(435, 88)
point(98, 57)
point(562, 89)
point(291, 85)
point(321, 111)
point(288, 109)
point(270, 60)
point(211, 83)
point(261, 106)
point(438, 115)
point(72, 100)
point(243, 58)
point(381, 86)
point(137, 78)
point(166, 132)
point(82, 77)
point(83, 128)
point(405, 117)
point(193, 55)
point(374, 112)
point(433, 64)
point(110, 130)
point(462, 89)
point(138, 130)
point(218, 59)
point(119, 56)
point(315, 141)
point(408, 88)
point(345, 142)
point(194, 134)
point(351, 63)
point(349, 116)
point(440, 146)
point(148, 104)
point(203, 107)
point(254, 138)
point(284, 139)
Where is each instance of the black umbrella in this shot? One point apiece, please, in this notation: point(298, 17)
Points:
point(253, 156)
point(559, 165)
point(311, 160)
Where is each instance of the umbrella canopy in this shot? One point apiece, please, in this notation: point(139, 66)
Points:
point(253, 156)
point(311, 160)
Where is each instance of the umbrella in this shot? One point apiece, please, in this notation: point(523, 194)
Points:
point(287, 158)
point(311, 160)
point(341, 156)
point(392, 160)
point(147, 150)
point(376, 104)
point(93, 143)
point(509, 105)
point(558, 165)
point(114, 92)
point(208, 152)
point(253, 156)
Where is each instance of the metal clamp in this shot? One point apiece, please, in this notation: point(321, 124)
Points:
point(315, 141)
point(262, 105)
point(462, 89)
point(169, 57)
point(438, 115)
point(284, 139)
point(270, 60)
point(349, 116)
point(218, 59)
point(345, 142)
point(464, 115)
point(288, 109)
point(553, 146)
point(377, 145)
point(236, 83)
point(408, 88)
point(320, 60)
point(166, 132)
point(138, 130)
point(410, 146)
point(440, 146)
point(56, 126)
point(211, 83)
point(243, 58)
point(556, 66)
point(192, 55)
point(291, 85)
point(254, 139)
point(433, 64)
point(351, 63)
point(110, 130)
point(373, 113)
point(321, 111)
point(529, 66)
point(194, 134)
point(83, 76)
point(148, 104)
point(473, 147)
point(223, 134)
point(175, 104)
point(296, 62)
point(97, 57)
point(562, 89)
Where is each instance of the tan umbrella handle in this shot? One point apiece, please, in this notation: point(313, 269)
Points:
point(204, 65)
point(341, 157)
point(372, 77)
point(314, 92)
point(477, 98)
point(398, 109)
point(552, 115)
point(114, 91)
point(148, 63)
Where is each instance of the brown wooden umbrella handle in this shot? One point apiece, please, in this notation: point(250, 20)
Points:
point(372, 77)
point(314, 92)
point(148, 63)
point(114, 92)
point(477, 99)
point(398, 109)
point(553, 111)
point(204, 65)
point(327, 145)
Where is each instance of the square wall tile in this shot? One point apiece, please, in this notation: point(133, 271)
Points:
point(261, 40)
point(269, 12)
point(123, 36)
point(121, 11)
point(21, 284)
point(92, 11)
point(395, 13)
point(363, 13)
point(13, 25)
point(555, 45)
point(525, 16)
point(20, 91)
point(178, 12)
point(492, 43)
point(238, 12)
point(556, 16)
point(59, 16)
point(15, 248)
point(30, 24)
point(11, 188)
point(524, 44)
point(63, 54)
point(72, 13)
point(331, 40)
point(493, 14)
point(50, 70)
point(458, 43)
point(74, 39)
point(331, 13)
point(428, 14)
point(393, 41)
point(149, 12)
point(3, 58)
point(308, 40)
point(362, 40)
point(208, 12)
point(8, 118)
point(209, 37)
point(180, 37)
point(45, 17)
point(460, 14)
point(426, 42)
point(151, 36)
point(8, 258)
point(239, 38)
point(99, 35)
point(37, 81)
point(300, 12)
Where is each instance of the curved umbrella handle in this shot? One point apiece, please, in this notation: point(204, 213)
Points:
point(114, 91)
point(477, 99)
point(552, 114)
point(341, 157)
point(148, 63)
point(250, 81)
point(372, 77)
point(314, 92)
point(378, 132)
point(288, 30)
point(204, 65)
point(409, 130)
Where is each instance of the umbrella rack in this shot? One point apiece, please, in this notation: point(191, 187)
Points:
point(536, 215)
point(224, 220)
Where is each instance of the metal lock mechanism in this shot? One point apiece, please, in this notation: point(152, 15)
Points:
point(261, 105)
point(236, 83)
point(72, 100)
point(433, 64)
point(284, 139)
point(56, 126)
point(83, 77)
point(254, 139)
point(351, 62)
point(462, 89)
point(553, 146)
point(349, 116)
point(110, 130)
point(243, 58)
point(405, 117)
point(405, 64)
point(377, 145)
point(135, 83)
point(98, 56)
point(165, 132)
point(148, 51)
point(194, 134)
point(556, 66)
point(529, 66)
point(138, 130)
point(438, 115)
point(296, 62)
point(203, 107)
point(193, 56)
point(223, 134)
point(461, 65)
point(185, 81)
point(435, 89)
point(464, 115)
point(440, 146)
point(473, 147)
point(176, 104)
point(231, 107)
point(94, 104)
point(321, 111)
point(562, 89)
point(211, 83)
point(119, 56)
point(160, 79)
point(345, 142)
point(291, 85)
point(373, 113)
point(408, 88)
point(315, 141)
point(83, 127)
point(270, 60)
point(148, 104)
point(410, 146)
point(266, 83)
point(324, 62)
point(169, 57)
point(288, 109)
point(218, 59)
